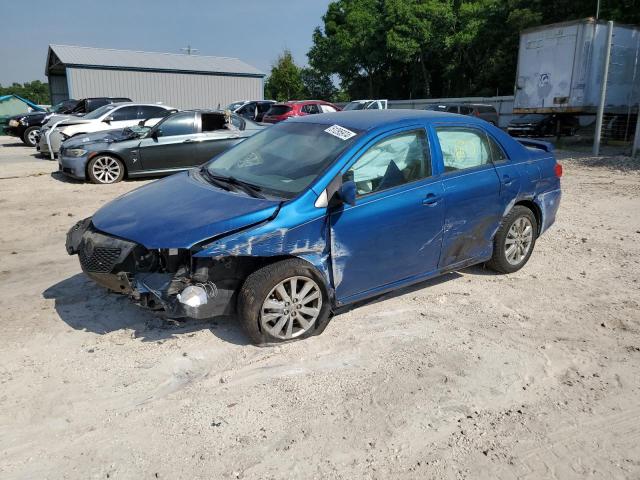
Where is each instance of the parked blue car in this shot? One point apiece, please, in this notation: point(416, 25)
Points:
point(319, 212)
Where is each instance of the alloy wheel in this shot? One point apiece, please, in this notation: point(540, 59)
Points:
point(291, 308)
point(32, 137)
point(518, 241)
point(106, 169)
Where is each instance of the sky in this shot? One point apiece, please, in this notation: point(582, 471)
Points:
point(255, 31)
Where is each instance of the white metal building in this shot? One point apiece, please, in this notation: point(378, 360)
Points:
point(182, 81)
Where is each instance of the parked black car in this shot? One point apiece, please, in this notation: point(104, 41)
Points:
point(180, 141)
point(541, 125)
point(26, 126)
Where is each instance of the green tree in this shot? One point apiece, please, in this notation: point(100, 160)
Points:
point(285, 80)
point(36, 91)
point(318, 85)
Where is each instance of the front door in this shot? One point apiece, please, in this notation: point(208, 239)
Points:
point(473, 204)
point(173, 146)
point(394, 231)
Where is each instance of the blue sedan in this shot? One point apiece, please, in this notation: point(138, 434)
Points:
point(320, 212)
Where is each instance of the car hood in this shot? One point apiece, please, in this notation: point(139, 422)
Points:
point(108, 136)
point(180, 211)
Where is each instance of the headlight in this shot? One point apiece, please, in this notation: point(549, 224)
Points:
point(13, 123)
point(75, 152)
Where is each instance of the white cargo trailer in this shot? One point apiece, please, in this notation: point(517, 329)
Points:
point(560, 68)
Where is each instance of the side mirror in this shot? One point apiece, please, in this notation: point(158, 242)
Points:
point(141, 123)
point(347, 192)
point(109, 119)
point(154, 134)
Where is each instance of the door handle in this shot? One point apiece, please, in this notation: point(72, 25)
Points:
point(431, 199)
point(188, 140)
point(507, 180)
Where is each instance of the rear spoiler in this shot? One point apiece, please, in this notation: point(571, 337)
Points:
point(546, 146)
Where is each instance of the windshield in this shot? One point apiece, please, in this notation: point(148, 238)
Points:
point(234, 106)
point(284, 159)
point(354, 106)
point(99, 112)
point(59, 107)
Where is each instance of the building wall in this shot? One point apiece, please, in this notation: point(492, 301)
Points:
point(58, 90)
point(180, 90)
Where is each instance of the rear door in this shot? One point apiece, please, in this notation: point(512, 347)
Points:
point(472, 194)
point(174, 145)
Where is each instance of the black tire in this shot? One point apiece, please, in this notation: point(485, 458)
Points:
point(27, 136)
point(100, 159)
point(499, 261)
point(258, 286)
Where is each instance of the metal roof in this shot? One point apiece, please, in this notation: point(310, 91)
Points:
point(70, 55)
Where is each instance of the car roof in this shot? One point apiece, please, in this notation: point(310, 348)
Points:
point(370, 119)
point(119, 104)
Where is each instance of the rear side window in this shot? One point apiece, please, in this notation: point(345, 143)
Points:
point(452, 109)
point(125, 113)
point(178, 124)
point(486, 109)
point(264, 107)
point(463, 148)
point(466, 110)
point(279, 110)
point(393, 161)
point(497, 152)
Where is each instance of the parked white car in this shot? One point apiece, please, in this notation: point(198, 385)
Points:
point(108, 117)
point(366, 105)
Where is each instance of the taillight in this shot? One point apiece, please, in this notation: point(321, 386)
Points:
point(558, 169)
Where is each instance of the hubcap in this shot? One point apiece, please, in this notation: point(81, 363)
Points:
point(291, 308)
point(32, 137)
point(518, 241)
point(106, 169)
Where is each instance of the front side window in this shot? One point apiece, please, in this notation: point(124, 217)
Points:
point(327, 109)
point(99, 112)
point(178, 124)
point(284, 159)
point(463, 148)
point(311, 109)
point(148, 111)
point(396, 160)
point(125, 113)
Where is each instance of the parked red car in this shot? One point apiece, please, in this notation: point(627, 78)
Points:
point(298, 108)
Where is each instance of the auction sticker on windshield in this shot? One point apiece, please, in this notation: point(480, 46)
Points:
point(340, 132)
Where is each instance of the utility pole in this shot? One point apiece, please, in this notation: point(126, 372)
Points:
point(189, 50)
point(598, 10)
point(603, 91)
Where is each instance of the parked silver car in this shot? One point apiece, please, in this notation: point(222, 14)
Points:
point(484, 111)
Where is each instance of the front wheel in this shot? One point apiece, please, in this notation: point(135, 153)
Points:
point(30, 135)
point(514, 241)
point(284, 301)
point(105, 169)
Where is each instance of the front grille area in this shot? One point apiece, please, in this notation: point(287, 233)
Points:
point(98, 259)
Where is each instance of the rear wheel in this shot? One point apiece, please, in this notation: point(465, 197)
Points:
point(29, 136)
point(105, 169)
point(514, 241)
point(282, 302)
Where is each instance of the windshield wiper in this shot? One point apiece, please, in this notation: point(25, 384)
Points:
point(247, 187)
point(211, 178)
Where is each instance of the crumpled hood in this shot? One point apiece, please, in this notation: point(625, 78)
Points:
point(180, 211)
point(108, 136)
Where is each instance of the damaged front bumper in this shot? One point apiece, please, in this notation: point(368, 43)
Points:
point(159, 280)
